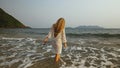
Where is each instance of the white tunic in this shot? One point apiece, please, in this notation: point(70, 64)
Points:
point(58, 40)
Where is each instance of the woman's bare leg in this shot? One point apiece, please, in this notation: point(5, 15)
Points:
point(57, 57)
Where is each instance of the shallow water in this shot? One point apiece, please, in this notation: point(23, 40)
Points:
point(85, 53)
point(24, 50)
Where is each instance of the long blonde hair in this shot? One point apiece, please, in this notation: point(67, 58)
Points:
point(59, 26)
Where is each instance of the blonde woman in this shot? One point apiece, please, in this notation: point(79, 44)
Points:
point(57, 33)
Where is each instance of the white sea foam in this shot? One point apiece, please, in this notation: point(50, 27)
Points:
point(79, 48)
point(118, 50)
point(26, 62)
point(113, 54)
point(26, 51)
point(48, 50)
point(9, 63)
point(4, 38)
point(82, 41)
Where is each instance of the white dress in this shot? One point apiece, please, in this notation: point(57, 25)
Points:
point(57, 41)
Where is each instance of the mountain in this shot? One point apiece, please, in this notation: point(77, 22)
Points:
point(89, 27)
point(8, 21)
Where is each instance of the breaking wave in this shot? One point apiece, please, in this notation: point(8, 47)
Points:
point(96, 35)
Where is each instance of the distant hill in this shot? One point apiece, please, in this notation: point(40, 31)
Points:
point(8, 21)
point(89, 27)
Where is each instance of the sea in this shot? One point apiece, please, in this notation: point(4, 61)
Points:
point(86, 48)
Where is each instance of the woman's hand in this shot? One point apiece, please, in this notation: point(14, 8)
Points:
point(45, 40)
point(65, 44)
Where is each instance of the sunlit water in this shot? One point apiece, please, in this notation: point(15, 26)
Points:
point(22, 48)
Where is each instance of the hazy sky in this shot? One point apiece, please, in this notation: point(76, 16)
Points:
point(43, 13)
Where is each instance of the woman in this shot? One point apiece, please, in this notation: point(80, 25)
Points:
point(57, 33)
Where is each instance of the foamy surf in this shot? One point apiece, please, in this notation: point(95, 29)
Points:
point(84, 53)
point(17, 51)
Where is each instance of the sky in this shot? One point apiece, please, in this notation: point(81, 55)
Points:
point(43, 13)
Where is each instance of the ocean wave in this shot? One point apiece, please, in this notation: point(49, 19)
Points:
point(88, 34)
point(96, 35)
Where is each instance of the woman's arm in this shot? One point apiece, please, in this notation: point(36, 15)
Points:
point(65, 44)
point(48, 36)
point(64, 38)
point(45, 40)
